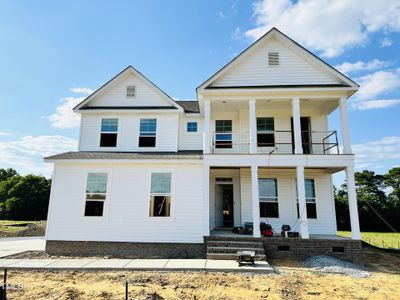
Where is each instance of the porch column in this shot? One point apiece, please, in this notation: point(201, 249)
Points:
point(253, 126)
point(206, 134)
point(344, 125)
point(206, 200)
point(301, 195)
point(298, 149)
point(352, 198)
point(255, 201)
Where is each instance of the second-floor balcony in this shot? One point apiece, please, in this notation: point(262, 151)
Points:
point(275, 142)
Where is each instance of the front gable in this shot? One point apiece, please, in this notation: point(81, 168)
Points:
point(297, 67)
point(113, 94)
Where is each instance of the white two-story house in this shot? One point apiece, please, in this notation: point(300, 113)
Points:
point(154, 177)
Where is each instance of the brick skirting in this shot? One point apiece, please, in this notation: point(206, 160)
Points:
point(125, 249)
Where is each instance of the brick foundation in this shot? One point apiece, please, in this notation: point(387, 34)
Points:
point(125, 249)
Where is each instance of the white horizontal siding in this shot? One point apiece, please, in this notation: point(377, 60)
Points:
point(292, 69)
point(146, 95)
point(128, 132)
point(190, 140)
point(325, 222)
point(127, 214)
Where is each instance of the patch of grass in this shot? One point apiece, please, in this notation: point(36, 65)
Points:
point(11, 228)
point(379, 239)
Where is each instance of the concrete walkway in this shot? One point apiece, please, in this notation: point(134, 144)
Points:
point(81, 264)
point(14, 245)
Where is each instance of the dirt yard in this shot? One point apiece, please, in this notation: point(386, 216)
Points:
point(293, 282)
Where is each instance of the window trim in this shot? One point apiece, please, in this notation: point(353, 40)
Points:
point(266, 199)
point(307, 202)
point(187, 127)
point(106, 201)
point(153, 132)
point(227, 145)
point(105, 132)
point(171, 216)
point(266, 131)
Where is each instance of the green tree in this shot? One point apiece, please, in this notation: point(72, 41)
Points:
point(7, 173)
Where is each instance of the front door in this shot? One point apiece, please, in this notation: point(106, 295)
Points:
point(224, 205)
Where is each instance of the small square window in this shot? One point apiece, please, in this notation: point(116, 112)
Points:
point(191, 127)
point(130, 91)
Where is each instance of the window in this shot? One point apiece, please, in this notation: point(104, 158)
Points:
point(311, 205)
point(191, 127)
point(130, 91)
point(273, 58)
point(96, 194)
point(265, 132)
point(223, 134)
point(109, 132)
point(268, 195)
point(148, 129)
point(160, 195)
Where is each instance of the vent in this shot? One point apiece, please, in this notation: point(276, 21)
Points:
point(273, 58)
point(130, 91)
point(337, 249)
point(283, 248)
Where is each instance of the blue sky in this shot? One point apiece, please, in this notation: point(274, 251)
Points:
point(54, 52)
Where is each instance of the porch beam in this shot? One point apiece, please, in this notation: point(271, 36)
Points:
point(344, 125)
point(301, 195)
point(253, 126)
point(298, 149)
point(207, 132)
point(352, 198)
point(255, 201)
point(206, 200)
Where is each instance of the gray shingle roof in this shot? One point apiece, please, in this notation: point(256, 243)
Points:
point(127, 155)
point(189, 106)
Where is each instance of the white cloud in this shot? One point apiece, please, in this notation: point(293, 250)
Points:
point(386, 42)
point(324, 25)
point(222, 15)
point(237, 34)
point(373, 104)
point(26, 154)
point(3, 133)
point(348, 67)
point(377, 83)
point(377, 154)
point(81, 90)
point(64, 117)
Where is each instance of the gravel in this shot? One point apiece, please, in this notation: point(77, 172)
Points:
point(329, 264)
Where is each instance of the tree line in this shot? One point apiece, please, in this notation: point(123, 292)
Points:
point(378, 198)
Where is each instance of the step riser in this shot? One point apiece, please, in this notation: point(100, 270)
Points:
point(232, 257)
point(235, 245)
point(233, 250)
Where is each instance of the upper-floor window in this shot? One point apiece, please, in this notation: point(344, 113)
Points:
point(131, 91)
point(265, 132)
point(109, 133)
point(160, 195)
point(148, 131)
point(96, 194)
point(273, 58)
point(191, 127)
point(311, 205)
point(223, 134)
point(268, 195)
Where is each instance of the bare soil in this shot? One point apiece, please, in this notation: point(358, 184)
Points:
point(293, 282)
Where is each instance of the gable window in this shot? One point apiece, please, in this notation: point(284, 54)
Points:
point(223, 134)
point(160, 195)
point(130, 91)
point(273, 58)
point(148, 131)
point(268, 196)
point(311, 204)
point(109, 133)
point(191, 127)
point(96, 194)
point(265, 132)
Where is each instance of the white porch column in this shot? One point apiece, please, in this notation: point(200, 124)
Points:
point(206, 200)
point(344, 125)
point(301, 195)
point(255, 201)
point(206, 134)
point(253, 126)
point(352, 197)
point(298, 149)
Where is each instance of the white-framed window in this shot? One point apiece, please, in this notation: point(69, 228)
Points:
point(191, 126)
point(268, 196)
point(223, 134)
point(265, 132)
point(109, 132)
point(148, 132)
point(131, 91)
point(96, 194)
point(311, 204)
point(160, 195)
point(273, 58)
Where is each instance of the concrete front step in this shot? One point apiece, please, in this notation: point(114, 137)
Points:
point(233, 250)
point(232, 256)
